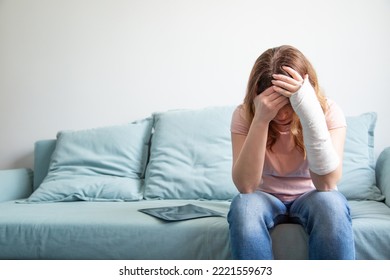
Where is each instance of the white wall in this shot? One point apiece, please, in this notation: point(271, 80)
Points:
point(77, 64)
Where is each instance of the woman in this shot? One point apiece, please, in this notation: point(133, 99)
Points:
point(288, 142)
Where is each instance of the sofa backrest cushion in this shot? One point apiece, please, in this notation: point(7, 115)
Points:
point(43, 149)
point(358, 181)
point(191, 155)
point(99, 164)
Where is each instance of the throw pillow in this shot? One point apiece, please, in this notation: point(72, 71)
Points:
point(100, 164)
point(358, 181)
point(191, 155)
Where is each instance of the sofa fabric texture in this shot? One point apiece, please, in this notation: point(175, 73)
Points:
point(82, 199)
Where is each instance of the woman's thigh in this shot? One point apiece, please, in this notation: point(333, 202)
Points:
point(326, 207)
point(256, 207)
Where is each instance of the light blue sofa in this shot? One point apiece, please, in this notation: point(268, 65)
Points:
point(82, 200)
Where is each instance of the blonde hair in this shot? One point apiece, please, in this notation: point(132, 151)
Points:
point(271, 62)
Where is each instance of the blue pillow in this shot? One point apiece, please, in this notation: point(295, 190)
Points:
point(100, 164)
point(191, 155)
point(358, 181)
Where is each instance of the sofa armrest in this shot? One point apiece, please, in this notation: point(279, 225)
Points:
point(15, 184)
point(382, 172)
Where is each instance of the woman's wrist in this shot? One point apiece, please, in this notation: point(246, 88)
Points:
point(260, 123)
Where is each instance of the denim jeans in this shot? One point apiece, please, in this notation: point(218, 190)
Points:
point(325, 216)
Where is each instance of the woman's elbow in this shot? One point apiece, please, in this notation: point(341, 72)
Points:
point(327, 182)
point(245, 186)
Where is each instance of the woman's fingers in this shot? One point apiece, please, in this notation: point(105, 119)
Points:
point(270, 94)
point(267, 91)
point(293, 73)
point(277, 101)
point(280, 102)
point(284, 92)
point(283, 80)
point(286, 85)
point(268, 105)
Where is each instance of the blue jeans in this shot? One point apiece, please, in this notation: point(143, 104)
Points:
point(325, 216)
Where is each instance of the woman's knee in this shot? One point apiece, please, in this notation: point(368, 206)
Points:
point(255, 207)
point(329, 199)
point(330, 205)
point(245, 199)
point(241, 204)
point(253, 202)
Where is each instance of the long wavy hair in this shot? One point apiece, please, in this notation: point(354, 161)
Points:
point(271, 62)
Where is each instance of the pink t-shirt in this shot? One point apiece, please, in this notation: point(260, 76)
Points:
point(286, 173)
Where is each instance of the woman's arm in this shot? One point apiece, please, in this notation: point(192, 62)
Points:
point(324, 149)
point(329, 181)
point(248, 157)
point(249, 150)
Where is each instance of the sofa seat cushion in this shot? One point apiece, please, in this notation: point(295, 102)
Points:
point(371, 226)
point(117, 230)
point(109, 230)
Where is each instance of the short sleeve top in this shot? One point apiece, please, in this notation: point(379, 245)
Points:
point(286, 172)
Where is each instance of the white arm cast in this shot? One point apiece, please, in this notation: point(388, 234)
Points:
point(320, 152)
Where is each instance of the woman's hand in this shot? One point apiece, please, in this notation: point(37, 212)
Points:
point(268, 103)
point(286, 85)
point(249, 150)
